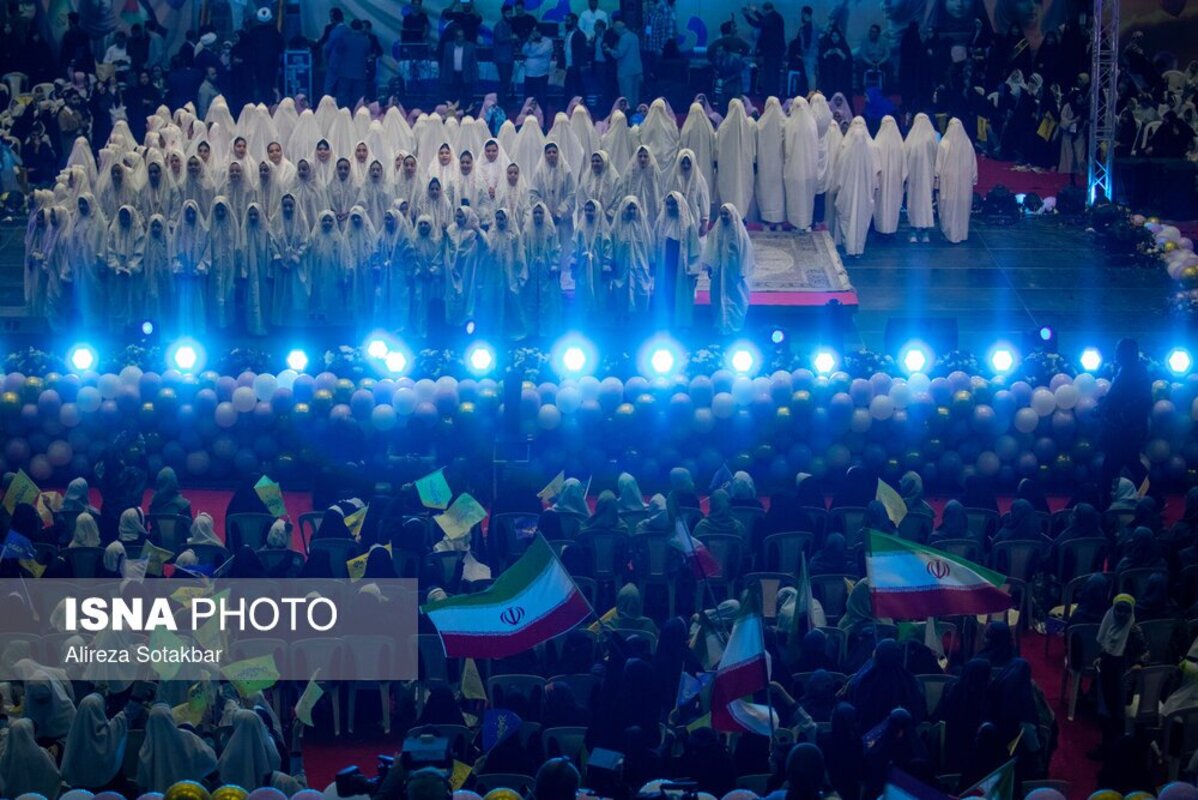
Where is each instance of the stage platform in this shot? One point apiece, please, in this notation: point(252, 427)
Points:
point(794, 270)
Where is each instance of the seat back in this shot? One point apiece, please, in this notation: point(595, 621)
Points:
point(838, 644)
point(609, 553)
point(832, 592)
point(748, 517)
point(1079, 556)
point(969, 549)
point(1149, 686)
point(981, 523)
point(286, 563)
point(781, 552)
point(727, 548)
point(340, 551)
point(324, 654)
point(84, 562)
point(1016, 559)
point(847, 520)
point(818, 516)
point(934, 687)
point(240, 649)
point(631, 519)
point(652, 554)
point(582, 685)
point(1081, 646)
point(503, 534)
point(1134, 581)
point(247, 529)
point(169, 531)
point(507, 686)
point(690, 516)
point(309, 524)
point(648, 636)
point(209, 555)
point(569, 742)
point(368, 654)
point(444, 566)
point(1159, 636)
point(915, 528)
point(1181, 738)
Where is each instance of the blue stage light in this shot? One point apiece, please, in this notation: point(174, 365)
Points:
point(147, 328)
point(396, 362)
point(574, 359)
point(1047, 333)
point(480, 358)
point(1091, 359)
point(744, 358)
point(1002, 359)
point(297, 360)
point(376, 347)
point(824, 361)
point(82, 357)
point(574, 355)
point(915, 357)
point(1179, 361)
point(777, 336)
point(660, 356)
point(662, 361)
point(186, 355)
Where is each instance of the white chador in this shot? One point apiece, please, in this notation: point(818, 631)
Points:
point(190, 263)
point(530, 143)
point(156, 266)
point(857, 171)
point(956, 174)
point(95, 746)
point(801, 170)
point(554, 185)
point(599, 182)
point(361, 246)
point(310, 195)
point(642, 179)
point(770, 186)
point(822, 115)
point(224, 239)
point(676, 240)
point(289, 234)
point(617, 140)
point(465, 250)
point(85, 248)
point(504, 275)
point(699, 137)
point(326, 270)
point(563, 133)
point(736, 152)
point(542, 253)
point(631, 257)
point(584, 131)
point(591, 259)
point(893, 164)
point(728, 259)
point(170, 754)
point(257, 255)
point(688, 180)
point(659, 132)
point(125, 249)
point(395, 285)
point(920, 148)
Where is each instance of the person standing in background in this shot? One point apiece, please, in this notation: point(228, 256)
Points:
point(327, 45)
point(604, 65)
point(523, 23)
point(263, 51)
point(808, 38)
point(1125, 410)
point(503, 50)
point(351, 52)
point(538, 60)
point(76, 45)
point(590, 15)
point(462, 15)
point(661, 25)
point(372, 59)
point(574, 48)
point(771, 46)
point(415, 24)
point(459, 69)
point(629, 70)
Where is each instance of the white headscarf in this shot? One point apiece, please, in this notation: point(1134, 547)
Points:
point(95, 748)
point(203, 531)
point(659, 132)
point(530, 144)
point(492, 172)
point(25, 767)
point(304, 135)
point(584, 131)
point(699, 137)
point(49, 700)
point(87, 532)
point(736, 151)
point(250, 755)
point(857, 168)
point(920, 148)
point(170, 755)
point(893, 163)
point(801, 169)
point(397, 131)
point(562, 133)
point(644, 183)
point(1113, 634)
point(957, 172)
point(603, 188)
point(618, 140)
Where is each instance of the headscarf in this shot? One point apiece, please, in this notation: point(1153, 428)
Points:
point(1000, 646)
point(49, 702)
point(75, 500)
point(203, 531)
point(1012, 699)
point(167, 499)
point(911, 490)
point(805, 774)
point(87, 532)
point(1021, 524)
point(95, 747)
point(1092, 602)
point(169, 754)
point(884, 684)
point(607, 514)
point(819, 695)
point(858, 609)
point(1113, 633)
point(742, 487)
point(630, 498)
point(25, 767)
point(1140, 551)
point(658, 520)
point(250, 755)
point(1125, 497)
point(1185, 695)
point(719, 519)
point(132, 526)
point(832, 557)
point(114, 557)
point(629, 610)
point(961, 710)
point(953, 522)
point(571, 501)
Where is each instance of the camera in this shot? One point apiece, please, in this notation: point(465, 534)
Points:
point(426, 747)
point(350, 781)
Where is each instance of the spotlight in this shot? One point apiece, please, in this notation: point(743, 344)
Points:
point(1091, 359)
point(1047, 333)
point(660, 356)
point(377, 348)
point(147, 328)
point(574, 355)
point(1002, 359)
point(82, 357)
point(186, 355)
point(396, 362)
point(744, 358)
point(662, 361)
point(778, 336)
point(480, 358)
point(1179, 361)
point(470, 327)
point(824, 361)
point(297, 360)
point(915, 357)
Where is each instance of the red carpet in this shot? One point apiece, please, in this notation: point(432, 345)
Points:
point(992, 173)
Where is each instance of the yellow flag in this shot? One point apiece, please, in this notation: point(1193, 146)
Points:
point(162, 640)
point(271, 495)
point(472, 682)
point(21, 490)
point(252, 675)
point(35, 569)
point(553, 488)
point(1048, 126)
point(595, 627)
point(702, 722)
point(354, 522)
point(983, 129)
point(461, 771)
point(192, 711)
point(1144, 486)
point(184, 595)
point(896, 509)
point(48, 503)
point(155, 557)
point(460, 517)
point(308, 700)
point(357, 566)
point(210, 636)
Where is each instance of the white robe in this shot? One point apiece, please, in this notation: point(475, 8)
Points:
point(617, 140)
point(556, 187)
point(659, 132)
point(170, 755)
point(326, 272)
point(694, 188)
point(857, 169)
point(822, 114)
point(604, 187)
point(699, 137)
point(956, 174)
point(542, 294)
point(676, 308)
point(567, 142)
point(893, 164)
point(250, 753)
point(646, 184)
point(736, 153)
point(95, 746)
point(584, 131)
point(770, 191)
point(25, 767)
point(632, 260)
point(728, 258)
point(801, 168)
point(530, 143)
point(920, 148)
point(224, 241)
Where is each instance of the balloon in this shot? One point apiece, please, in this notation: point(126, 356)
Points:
point(40, 468)
point(226, 415)
point(186, 790)
point(881, 407)
point(549, 418)
point(59, 453)
point(900, 394)
point(722, 405)
point(244, 399)
point(89, 399)
point(266, 793)
point(1026, 420)
point(569, 398)
point(264, 386)
point(383, 417)
point(703, 420)
point(1043, 402)
point(988, 463)
point(1157, 450)
point(1067, 396)
point(69, 415)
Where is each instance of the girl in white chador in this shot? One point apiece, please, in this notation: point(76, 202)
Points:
point(85, 248)
point(95, 747)
point(857, 171)
point(238, 190)
point(512, 195)
point(309, 193)
point(171, 754)
point(801, 168)
point(688, 180)
point(956, 174)
point(375, 196)
point(542, 254)
point(326, 270)
point(125, 249)
point(289, 236)
point(224, 239)
point(893, 164)
point(659, 132)
point(395, 282)
point(444, 167)
point(257, 257)
point(699, 137)
point(504, 274)
point(342, 192)
point(427, 265)
point(769, 191)
point(599, 182)
point(471, 189)
point(553, 184)
point(642, 179)
point(361, 246)
point(435, 204)
point(591, 260)
point(676, 239)
point(464, 250)
point(728, 259)
point(631, 258)
point(618, 140)
point(920, 149)
point(491, 169)
point(190, 263)
point(408, 182)
point(156, 265)
point(197, 186)
point(736, 152)
point(159, 195)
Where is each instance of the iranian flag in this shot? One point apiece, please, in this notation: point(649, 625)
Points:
point(744, 670)
point(702, 563)
point(532, 602)
point(911, 581)
point(998, 785)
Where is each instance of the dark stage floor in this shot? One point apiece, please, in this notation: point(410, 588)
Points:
point(1004, 283)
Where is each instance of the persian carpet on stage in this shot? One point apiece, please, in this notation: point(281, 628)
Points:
point(794, 270)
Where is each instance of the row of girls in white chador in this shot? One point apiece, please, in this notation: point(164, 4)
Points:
point(222, 223)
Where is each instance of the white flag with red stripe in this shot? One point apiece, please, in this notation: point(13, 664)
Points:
point(744, 670)
point(702, 563)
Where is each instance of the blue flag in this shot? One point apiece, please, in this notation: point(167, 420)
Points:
point(689, 687)
point(18, 547)
point(721, 479)
point(498, 725)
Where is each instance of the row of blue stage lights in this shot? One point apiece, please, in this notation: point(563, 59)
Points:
point(574, 355)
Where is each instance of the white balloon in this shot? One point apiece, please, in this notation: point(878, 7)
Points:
point(1067, 396)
